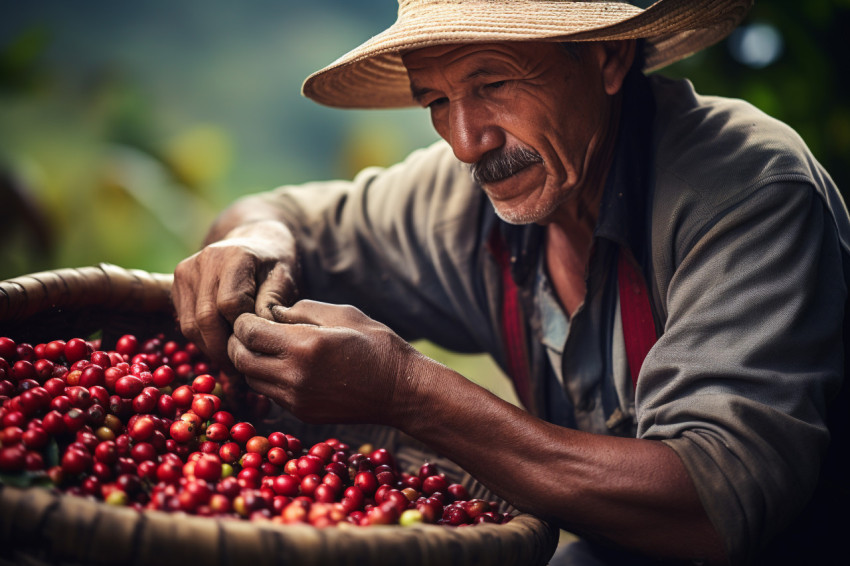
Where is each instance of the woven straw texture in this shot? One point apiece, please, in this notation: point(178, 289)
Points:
point(40, 526)
point(372, 75)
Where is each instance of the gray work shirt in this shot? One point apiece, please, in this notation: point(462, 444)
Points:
point(744, 246)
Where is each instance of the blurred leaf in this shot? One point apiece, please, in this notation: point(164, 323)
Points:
point(19, 60)
point(199, 156)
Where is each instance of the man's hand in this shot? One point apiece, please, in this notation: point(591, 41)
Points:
point(251, 270)
point(327, 363)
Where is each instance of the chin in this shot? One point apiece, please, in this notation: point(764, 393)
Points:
point(520, 215)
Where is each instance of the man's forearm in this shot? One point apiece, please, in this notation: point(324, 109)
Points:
point(633, 492)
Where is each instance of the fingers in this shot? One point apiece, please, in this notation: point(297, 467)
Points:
point(234, 292)
point(258, 336)
point(208, 295)
point(246, 352)
point(277, 288)
point(194, 301)
point(319, 314)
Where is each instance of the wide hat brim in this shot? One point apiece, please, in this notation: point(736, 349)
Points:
point(373, 76)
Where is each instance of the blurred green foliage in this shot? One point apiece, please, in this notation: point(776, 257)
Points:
point(124, 128)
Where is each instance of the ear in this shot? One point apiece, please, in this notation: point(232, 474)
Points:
point(618, 58)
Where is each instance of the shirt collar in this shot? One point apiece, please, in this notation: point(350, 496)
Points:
point(623, 213)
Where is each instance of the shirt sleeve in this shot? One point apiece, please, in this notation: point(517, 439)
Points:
point(395, 242)
point(750, 355)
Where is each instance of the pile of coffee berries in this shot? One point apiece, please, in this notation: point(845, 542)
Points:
point(145, 425)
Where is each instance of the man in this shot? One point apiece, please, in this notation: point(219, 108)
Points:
point(662, 274)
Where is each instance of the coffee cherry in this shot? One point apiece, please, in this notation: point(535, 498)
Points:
point(43, 369)
point(427, 469)
point(455, 515)
point(23, 369)
point(278, 439)
point(76, 349)
point(74, 419)
point(128, 386)
point(142, 428)
point(410, 517)
point(203, 383)
point(476, 507)
point(322, 450)
point(12, 458)
point(258, 444)
point(182, 431)
point(432, 510)
point(458, 492)
point(366, 482)
point(166, 406)
point(249, 477)
point(217, 432)
point(8, 349)
point(92, 375)
point(101, 358)
point(25, 351)
point(242, 432)
point(251, 460)
point(143, 451)
point(203, 405)
point(144, 403)
point(75, 461)
point(308, 464)
point(309, 483)
point(163, 376)
point(230, 452)
point(35, 438)
point(432, 484)
point(225, 418)
point(208, 468)
point(183, 396)
point(287, 485)
point(127, 345)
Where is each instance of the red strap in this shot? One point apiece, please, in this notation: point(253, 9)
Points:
point(636, 315)
point(635, 312)
point(513, 326)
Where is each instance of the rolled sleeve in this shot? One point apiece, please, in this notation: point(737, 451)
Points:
point(751, 353)
point(399, 243)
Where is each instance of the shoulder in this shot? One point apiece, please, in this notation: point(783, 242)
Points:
point(711, 153)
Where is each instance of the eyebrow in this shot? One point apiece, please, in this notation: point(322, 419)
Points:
point(419, 93)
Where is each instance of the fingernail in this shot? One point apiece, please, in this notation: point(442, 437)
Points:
point(277, 311)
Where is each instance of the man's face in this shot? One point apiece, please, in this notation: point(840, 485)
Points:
point(528, 117)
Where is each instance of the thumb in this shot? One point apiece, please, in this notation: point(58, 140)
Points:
point(278, 288)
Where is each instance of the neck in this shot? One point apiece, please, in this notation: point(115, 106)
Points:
point(569, 235)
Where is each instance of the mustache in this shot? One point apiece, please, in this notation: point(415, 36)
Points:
point(502, 163)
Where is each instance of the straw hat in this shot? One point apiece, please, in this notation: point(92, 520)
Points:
point(372, 75)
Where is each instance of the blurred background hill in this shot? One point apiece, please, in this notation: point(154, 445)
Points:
point(125, 127)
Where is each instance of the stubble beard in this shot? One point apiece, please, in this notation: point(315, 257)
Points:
point(501, 164)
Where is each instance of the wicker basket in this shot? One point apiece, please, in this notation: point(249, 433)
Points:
point(41, 526)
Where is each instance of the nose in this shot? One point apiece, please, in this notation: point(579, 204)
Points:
point(472, 131)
